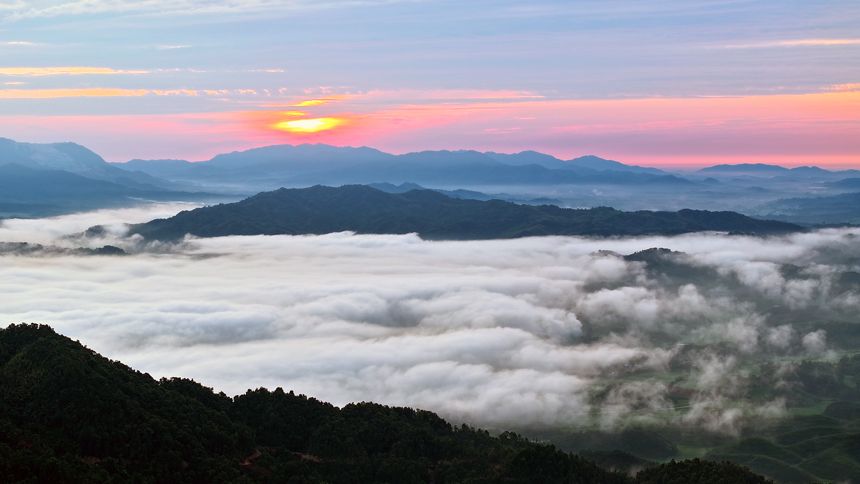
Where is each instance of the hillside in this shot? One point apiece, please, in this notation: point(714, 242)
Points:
point(362, 209)
point(68, 414)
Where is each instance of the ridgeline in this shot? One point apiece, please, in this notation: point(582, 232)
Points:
point(366, 210)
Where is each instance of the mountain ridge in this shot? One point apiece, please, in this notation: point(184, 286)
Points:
point(363, 209)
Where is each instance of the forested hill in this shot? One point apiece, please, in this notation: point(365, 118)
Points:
point(366, 210)
point(68, 415)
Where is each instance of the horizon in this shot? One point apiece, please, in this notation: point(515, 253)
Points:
point(680, 169)
point(668, 84)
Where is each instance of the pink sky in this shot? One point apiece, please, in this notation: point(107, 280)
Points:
point(791, 130)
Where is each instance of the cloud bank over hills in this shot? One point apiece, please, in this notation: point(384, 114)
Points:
point(527, 332)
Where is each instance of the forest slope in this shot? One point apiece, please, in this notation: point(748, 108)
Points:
point(68, 414)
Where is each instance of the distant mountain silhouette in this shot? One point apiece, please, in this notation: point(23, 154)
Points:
point(362, 209)
point(835, 209)
point(745, 168)
point(307, 164)
point(528, 158)
point(774, 171)
point(846, 183)
point(76, 159)
point(31, 192)
point(600, 164)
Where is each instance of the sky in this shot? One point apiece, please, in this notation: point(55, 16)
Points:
point(665, 83)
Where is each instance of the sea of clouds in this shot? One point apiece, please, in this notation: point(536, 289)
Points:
point(525, 332)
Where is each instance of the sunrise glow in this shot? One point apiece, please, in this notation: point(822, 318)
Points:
point(711, 92)
point(309, 125)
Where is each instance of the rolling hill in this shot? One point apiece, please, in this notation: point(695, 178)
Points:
point(362, 209)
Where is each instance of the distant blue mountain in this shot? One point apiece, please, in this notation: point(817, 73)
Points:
point(600, 164)
point(835, 209)
point(744, 168)
point(307, 164)
point(846, 183)
point(774, 171)
point(299, 157)
point(528, 158)
point(29, 192)
point(74, 158)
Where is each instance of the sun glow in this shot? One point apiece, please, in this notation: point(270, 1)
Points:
point(309, 125)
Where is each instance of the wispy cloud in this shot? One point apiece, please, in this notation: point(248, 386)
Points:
point(320, 101)
point(174, 92)
point(846, 87)
point(59, 71)
point(30, 9)
point(61, 93)
point(110, 92)
point(794, 43)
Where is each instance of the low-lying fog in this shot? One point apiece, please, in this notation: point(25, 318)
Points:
point(509, 333)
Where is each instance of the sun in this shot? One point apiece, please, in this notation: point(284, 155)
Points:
point(309, 125)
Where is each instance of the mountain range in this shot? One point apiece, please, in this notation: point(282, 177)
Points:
point(763, 191)
point(287, 165)
point(320, 163)
point(38, 180)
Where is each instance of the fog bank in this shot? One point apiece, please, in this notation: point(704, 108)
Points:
point(534, 331)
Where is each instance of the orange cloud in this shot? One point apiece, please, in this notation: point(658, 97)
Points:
point(317, 102)
point(846, 87)
point(60, 93)
point(795, 43)
point(175, 92)
point(54, 71)
point(820, 42)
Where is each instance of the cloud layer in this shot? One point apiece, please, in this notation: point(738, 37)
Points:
point(536, 331)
